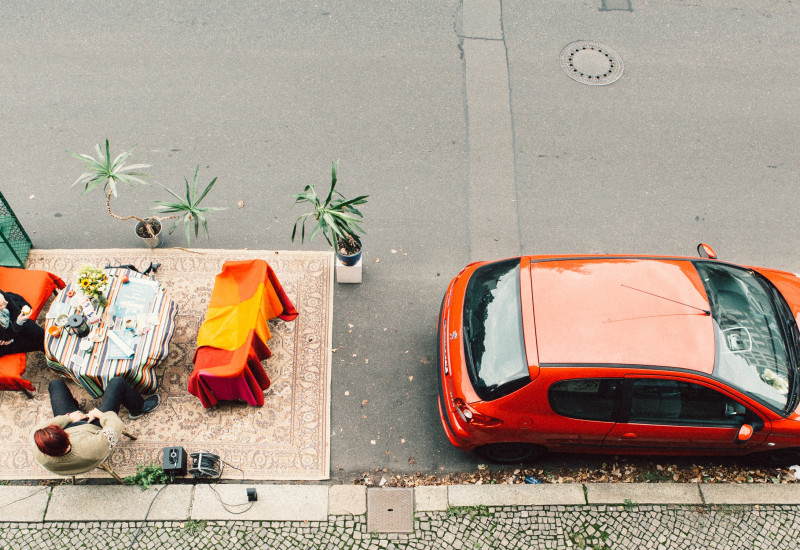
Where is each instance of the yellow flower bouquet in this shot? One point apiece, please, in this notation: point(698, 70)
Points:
point(93, 282)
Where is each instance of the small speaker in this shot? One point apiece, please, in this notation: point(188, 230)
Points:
point(174, 461)
point(252, 496)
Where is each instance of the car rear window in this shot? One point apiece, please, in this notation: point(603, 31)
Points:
point(586, 398)
point(493, 340)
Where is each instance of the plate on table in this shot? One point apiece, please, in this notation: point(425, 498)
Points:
point(97, 335)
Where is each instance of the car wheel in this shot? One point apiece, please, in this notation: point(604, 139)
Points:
point(509, 453)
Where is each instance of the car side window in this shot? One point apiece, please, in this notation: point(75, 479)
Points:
point(655, 401)
point(586, 398)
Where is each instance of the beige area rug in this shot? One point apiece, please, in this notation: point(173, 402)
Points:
point(286, 439)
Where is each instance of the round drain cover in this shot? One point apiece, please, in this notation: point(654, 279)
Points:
point(591, 63)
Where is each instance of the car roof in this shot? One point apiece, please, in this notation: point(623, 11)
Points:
point(628, 311)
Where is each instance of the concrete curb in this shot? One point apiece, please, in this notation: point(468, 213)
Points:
point(228, 502)
point(643, 493)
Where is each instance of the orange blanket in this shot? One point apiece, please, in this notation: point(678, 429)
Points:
point(246, 295)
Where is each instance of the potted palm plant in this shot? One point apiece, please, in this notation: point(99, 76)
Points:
point(188, 209)
point(108, 173)
point(336, 217)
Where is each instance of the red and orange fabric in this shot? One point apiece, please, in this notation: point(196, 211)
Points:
point(36, 287)
point(232, 340)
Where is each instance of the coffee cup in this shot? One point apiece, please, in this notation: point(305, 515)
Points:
point(54, 331)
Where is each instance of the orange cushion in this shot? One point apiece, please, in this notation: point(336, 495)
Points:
point(33, 285)
point(11, 369)
point(36, 287)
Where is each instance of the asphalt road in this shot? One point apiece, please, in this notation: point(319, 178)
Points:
point(455, 117)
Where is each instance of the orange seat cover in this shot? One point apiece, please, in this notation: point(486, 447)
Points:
point(36, 287)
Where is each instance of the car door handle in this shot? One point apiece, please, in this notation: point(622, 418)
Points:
point(629, 436)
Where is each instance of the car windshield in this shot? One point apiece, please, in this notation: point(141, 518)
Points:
point(751, 326)
point(493, 339)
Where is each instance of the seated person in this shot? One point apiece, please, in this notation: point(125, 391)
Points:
point(18, 334)
point(75, 442)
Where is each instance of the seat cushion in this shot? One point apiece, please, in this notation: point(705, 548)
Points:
point(36, 287)
point(11, 369)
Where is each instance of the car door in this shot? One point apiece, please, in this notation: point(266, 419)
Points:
point(585, 411)
point(682, 416)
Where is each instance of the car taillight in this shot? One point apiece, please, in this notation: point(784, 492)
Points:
point(471, 416)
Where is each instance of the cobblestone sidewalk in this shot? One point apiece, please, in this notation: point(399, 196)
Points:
point(476, 527)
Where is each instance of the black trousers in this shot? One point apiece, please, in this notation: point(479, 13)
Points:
point(118, 393)
point(30, 339)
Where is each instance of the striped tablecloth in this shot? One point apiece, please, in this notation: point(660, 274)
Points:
point(152, 347)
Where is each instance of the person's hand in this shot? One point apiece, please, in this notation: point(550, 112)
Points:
point(5, 342)
point(22, 317)
point(76, 416)
point(94, 414)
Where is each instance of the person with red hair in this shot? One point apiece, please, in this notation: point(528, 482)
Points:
point(74, 442)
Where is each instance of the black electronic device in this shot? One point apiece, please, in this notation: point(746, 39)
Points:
point(252, 496)
point(174, 461)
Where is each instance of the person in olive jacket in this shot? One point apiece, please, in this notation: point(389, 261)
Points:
point(74, 442)
point(18, 333)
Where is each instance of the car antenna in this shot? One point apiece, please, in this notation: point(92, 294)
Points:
point(705, 311)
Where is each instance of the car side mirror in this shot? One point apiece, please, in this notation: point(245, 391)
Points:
point(745, 432)
point(705, 251)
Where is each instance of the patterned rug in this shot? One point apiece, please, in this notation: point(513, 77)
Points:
point(286, 439)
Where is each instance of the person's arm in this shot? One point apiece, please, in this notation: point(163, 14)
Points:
point(108, 420)
point(16, 318)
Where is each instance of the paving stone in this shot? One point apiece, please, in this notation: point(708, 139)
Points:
point(23, 503)
point(728, 493)
point(118, 502)
point(347, 499)
point(515, 495)
point(430, 498)
point(643, 493)
point(275, 503)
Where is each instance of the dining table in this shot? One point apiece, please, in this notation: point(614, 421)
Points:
point(127, 334)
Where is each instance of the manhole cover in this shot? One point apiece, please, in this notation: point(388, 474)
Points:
point(390, 510)
point(591, 63)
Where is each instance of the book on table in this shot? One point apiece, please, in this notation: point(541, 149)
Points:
point(121, 344)
point(134, 297)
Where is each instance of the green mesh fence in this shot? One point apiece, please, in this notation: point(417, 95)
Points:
point(14, 242)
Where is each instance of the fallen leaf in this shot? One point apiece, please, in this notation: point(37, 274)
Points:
point(32, 197)
point(394, 251)
point(377, 260)
point(373, 442)
point(411, 378)
point(424, 361)
point(346, 393)
point(364, 402)
point(411, 460)
point(240, 204)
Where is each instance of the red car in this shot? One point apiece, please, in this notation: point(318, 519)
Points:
point(622, 355)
